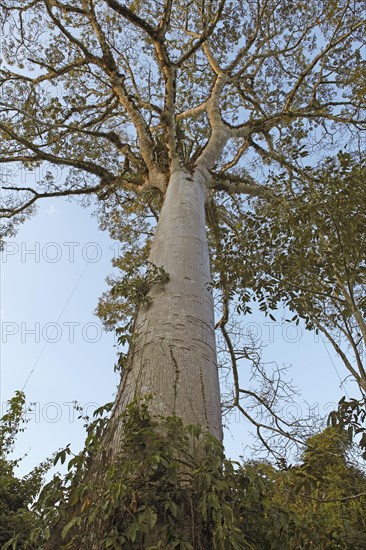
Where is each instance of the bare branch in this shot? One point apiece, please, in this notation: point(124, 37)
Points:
point(204, 36)
point(132, 17)
point(245, 185)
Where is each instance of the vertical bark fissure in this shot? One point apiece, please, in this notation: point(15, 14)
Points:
point(204, 397)
point(176, 379)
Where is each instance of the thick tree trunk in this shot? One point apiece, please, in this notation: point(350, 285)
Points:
point(174, 356)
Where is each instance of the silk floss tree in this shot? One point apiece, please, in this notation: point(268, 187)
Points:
point(189, 105)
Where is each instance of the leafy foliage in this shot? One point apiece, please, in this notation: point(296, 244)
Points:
point(131, 223)
point(129, 292)
point(326, 494)
point(171, 486)
point(16, 495)
point(120, 94)
point(145, 486)
point(305, 248)
point(351, 415)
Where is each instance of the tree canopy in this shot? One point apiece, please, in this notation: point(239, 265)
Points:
point(119, 94)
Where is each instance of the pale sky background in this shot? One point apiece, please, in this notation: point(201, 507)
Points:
point(52, 274)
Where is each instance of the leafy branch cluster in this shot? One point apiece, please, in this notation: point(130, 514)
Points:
point(16, 495)
point(351, 415)
point(129, 293)
point(166, 477)
point(305, 249)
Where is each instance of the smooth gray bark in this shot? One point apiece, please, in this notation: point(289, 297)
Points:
point(174, 356)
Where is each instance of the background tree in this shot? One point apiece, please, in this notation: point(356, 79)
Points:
point(306, 249)
point(16, 495)
point(326, 493)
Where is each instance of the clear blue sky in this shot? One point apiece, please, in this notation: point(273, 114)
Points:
point(52, 274)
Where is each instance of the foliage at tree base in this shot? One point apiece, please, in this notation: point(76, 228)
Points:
point(171, 487)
